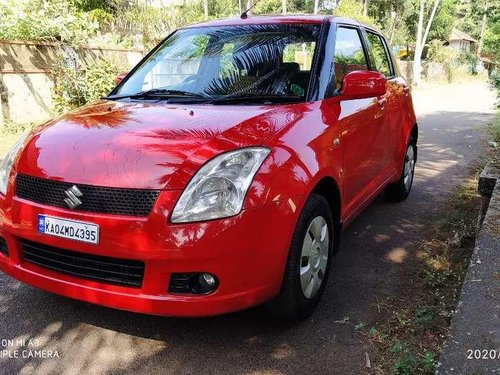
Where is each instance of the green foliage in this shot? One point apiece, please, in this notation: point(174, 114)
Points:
point(409, 363)
point(495, 128)
point(470, 20)
point(406, 20)
point(495, 84)
point(108, 6)
point(55, 20)
point(354, 9)
point(397, 347)
point(471, 61)
point(443, 21)
point(445, 55)
point(74, 88)
point(424, 317)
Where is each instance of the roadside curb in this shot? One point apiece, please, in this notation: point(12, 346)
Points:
point(473, 346)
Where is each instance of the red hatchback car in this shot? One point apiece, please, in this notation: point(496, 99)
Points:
point(217, 175)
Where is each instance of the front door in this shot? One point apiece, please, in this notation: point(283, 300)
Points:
point(364, 129)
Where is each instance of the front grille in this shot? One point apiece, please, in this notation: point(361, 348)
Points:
point(123, 272)
point(104, 200)
point(3, 247)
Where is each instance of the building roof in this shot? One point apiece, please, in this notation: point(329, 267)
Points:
point(460, 35)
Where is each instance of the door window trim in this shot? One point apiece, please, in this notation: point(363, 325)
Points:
point(386, 50)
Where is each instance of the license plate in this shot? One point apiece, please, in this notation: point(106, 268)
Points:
point(69, 229)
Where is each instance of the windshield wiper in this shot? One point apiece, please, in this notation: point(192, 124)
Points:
point(159, 93)
point(257, 99)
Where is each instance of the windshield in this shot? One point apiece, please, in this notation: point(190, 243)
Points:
point(252, 61)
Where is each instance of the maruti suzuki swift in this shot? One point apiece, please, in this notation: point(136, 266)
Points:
point(218, 174)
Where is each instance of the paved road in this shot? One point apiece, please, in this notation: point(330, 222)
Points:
point(375, 261)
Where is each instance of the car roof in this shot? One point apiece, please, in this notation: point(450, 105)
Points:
point(278, 19)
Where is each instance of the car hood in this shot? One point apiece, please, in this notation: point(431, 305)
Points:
point(144, 145)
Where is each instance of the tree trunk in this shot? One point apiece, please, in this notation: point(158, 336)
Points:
point(283, 6)
point(316, 6)
point(483, 29)
point(249, 5)
point(240, 3)
point(365, 7)
point(205, 7)
point(417, 68)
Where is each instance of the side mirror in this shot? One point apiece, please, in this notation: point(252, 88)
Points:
point(120, 78)
point(361, 84)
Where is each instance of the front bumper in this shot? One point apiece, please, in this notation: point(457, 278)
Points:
point(246, 252)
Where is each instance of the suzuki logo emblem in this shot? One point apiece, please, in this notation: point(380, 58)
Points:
point(73, 193)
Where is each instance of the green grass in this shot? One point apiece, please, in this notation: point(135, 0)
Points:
point(494, 137)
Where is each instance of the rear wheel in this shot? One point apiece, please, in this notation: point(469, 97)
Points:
point(308, 263)
point(400, 190)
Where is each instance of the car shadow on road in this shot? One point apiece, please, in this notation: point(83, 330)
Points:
point(377, 260)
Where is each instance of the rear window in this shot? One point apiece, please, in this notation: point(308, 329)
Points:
point(378, 55)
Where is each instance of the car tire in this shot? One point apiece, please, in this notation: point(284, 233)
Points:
point(399, 191)
point(313, 239)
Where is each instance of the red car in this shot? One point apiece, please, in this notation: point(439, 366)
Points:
point(219, 173)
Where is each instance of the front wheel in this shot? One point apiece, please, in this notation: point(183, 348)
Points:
point(400, 190)
point(308, 263)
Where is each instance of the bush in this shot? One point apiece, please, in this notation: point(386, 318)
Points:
point(55, 20)
point(470, 61)
point(74, 88)
point(445, 55)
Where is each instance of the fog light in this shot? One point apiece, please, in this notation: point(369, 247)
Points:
point(206, 278)
point(206, 283)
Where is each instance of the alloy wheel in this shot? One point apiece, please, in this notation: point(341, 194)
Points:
point(314, 257)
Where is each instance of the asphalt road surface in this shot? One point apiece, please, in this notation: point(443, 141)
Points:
point(374, 262)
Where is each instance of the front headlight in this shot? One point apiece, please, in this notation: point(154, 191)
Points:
point(6, 164)
point(220, 186)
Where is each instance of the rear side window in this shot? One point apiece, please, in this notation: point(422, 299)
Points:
point(349, 53)
point(378, 55)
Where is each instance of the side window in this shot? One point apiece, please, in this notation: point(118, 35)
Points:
point(349, 54)
point(378, 55)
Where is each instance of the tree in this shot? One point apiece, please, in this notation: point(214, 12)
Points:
point(421, 39)
point(473, 16)
point(353, 9)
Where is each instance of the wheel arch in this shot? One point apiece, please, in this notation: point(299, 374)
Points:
point(414, 135)
point(328, 187)
point(414, 132)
